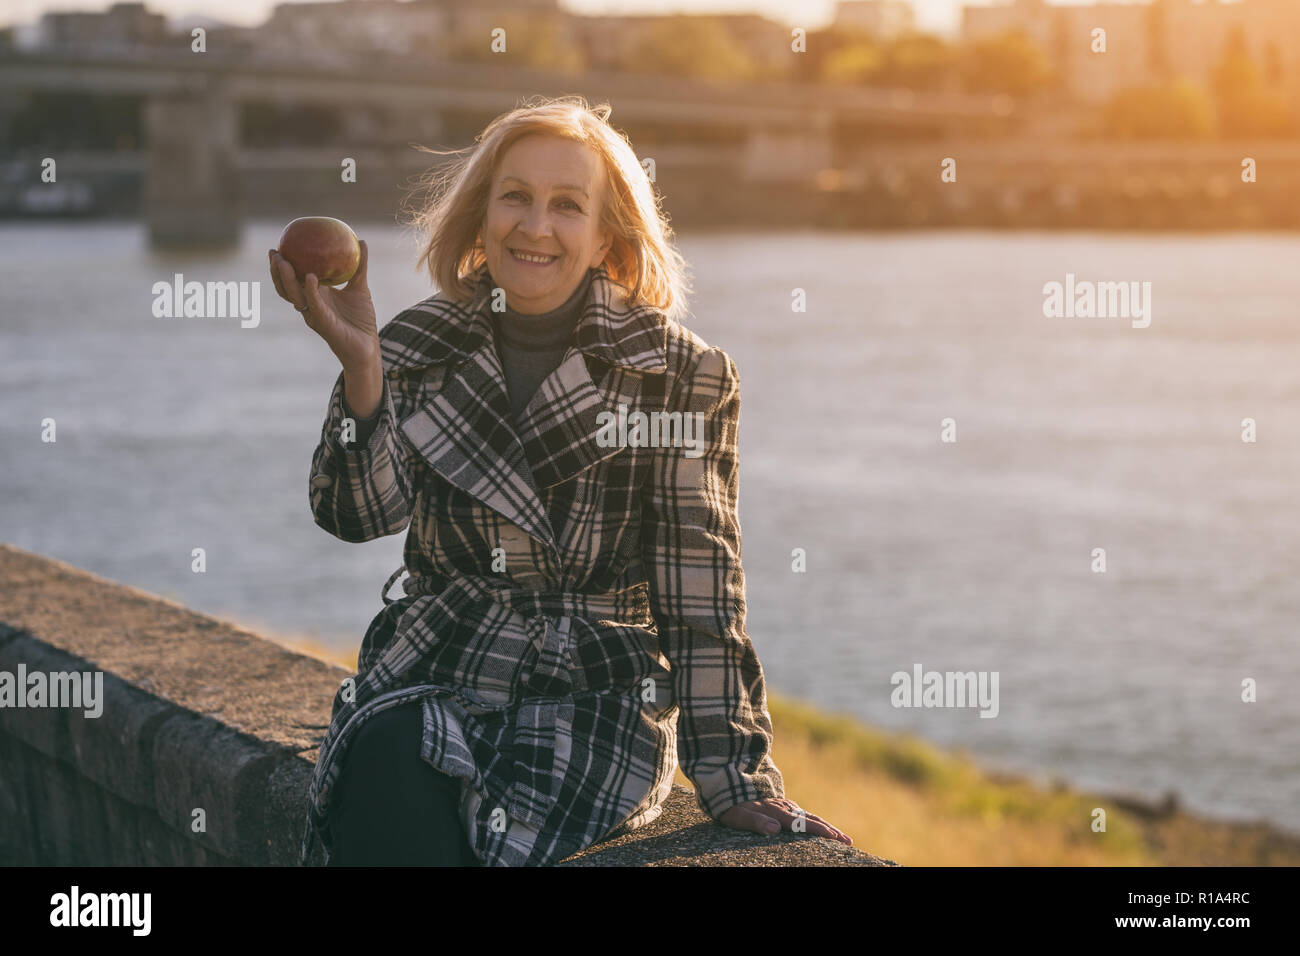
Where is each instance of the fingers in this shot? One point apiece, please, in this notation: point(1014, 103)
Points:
point(358, 279)
point(287, 281)
point(787, 811)
point(743, 818)
point(823, 829)
point(317, 309)
point(275, 274)
point(817, 826)
point(774, 814)
point(796, 810)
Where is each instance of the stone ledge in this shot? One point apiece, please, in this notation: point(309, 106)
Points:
point(684, 836)
point(199, 713)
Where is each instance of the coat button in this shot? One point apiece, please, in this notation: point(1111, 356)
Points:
point(321, 481)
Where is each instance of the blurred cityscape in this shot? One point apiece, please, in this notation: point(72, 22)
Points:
point(1123, 115)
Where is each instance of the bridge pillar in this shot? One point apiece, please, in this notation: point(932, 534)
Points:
point(192, 194)
point(11, 104)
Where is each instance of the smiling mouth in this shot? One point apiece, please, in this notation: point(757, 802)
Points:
point(534, 258)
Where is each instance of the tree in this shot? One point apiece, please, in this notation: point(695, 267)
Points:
point(530, 42)
point(1274, 70)
point(1010, 62)
point(695, 46)
point(856, 63)
point(1245, 106)
point(917, 61)
point(1157, 32)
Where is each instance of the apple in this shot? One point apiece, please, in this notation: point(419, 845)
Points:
point(328, 247)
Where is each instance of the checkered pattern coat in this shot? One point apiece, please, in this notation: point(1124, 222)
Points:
point(574, 619)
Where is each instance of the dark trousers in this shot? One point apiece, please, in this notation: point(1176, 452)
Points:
point(390, 807)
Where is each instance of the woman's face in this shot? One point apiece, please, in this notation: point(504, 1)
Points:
point(546, 199)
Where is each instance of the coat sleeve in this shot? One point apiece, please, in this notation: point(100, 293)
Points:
point(360, 490)
point(691, 554)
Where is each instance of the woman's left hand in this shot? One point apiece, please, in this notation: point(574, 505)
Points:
point(773, 814)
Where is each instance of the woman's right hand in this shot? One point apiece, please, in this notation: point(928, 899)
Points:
point(344, 318)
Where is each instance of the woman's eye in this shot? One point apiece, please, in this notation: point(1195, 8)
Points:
point(516, 192)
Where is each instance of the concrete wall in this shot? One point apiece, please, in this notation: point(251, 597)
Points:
point(198, 715)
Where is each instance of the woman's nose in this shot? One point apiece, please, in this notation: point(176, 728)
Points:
point(536, 223)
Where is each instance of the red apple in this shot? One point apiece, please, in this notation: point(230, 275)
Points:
point(328, 247)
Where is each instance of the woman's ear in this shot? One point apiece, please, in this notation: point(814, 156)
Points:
point(603, 250)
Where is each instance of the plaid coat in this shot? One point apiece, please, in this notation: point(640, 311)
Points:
point(574, 619)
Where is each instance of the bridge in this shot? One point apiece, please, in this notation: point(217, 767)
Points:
point(209, 122)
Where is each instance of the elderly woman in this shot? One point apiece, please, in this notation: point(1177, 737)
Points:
point(574, 619)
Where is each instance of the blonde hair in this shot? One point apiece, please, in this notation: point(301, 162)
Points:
point(641, 257)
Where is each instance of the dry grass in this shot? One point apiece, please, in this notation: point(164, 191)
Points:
point(908, 801)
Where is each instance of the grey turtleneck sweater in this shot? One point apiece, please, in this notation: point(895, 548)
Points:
point(530, 348)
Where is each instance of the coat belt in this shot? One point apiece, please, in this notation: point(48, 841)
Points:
point(546, 671)
point(548, 677)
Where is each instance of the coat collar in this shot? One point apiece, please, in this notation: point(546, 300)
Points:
point(461, 428)
point(610, 329)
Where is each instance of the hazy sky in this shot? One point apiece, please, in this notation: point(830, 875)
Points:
point(935, 15)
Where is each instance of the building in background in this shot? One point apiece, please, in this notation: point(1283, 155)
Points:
point(123, 26)
point(362, 26)
point(403, 27)
point(1193, 37)
point(1146, 42)
point(613, 42)
point(883, 18)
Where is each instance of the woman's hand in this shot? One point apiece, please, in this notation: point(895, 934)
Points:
point(344, 318)
point(773, 814)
